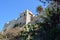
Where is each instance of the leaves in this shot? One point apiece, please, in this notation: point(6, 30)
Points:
point(39, 9)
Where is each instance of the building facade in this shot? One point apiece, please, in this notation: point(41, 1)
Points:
point(24, 18)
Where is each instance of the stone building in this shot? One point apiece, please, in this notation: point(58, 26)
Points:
point(24, 18)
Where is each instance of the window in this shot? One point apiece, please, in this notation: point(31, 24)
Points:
point(20, 16)
point(24, 14)
point(15, 25)
point(20, 23)
point(55, 5)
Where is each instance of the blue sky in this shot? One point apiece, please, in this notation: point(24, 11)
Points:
point(10, 9)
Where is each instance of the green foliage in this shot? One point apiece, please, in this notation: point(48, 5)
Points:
point(1, 36)
point(50, 25)
point(39, 9)
point(46, 30)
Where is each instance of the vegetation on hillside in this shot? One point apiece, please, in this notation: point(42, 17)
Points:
point(49, 29)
